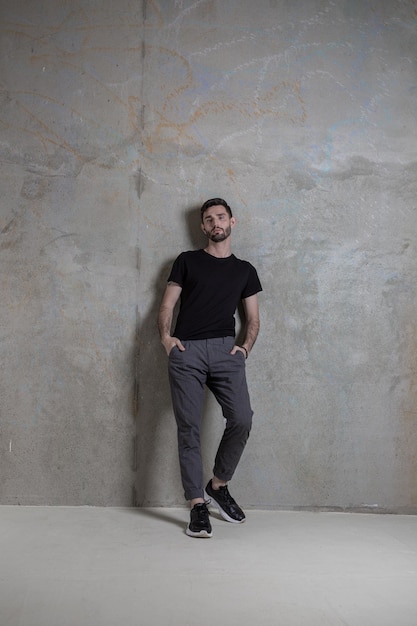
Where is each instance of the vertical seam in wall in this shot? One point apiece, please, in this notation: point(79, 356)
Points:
point(139, 188)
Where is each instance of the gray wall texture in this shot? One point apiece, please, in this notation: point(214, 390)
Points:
point(117, 120)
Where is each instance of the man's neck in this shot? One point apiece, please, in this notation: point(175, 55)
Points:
point(221, 249)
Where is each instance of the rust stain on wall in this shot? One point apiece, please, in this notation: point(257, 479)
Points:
point(183, 132)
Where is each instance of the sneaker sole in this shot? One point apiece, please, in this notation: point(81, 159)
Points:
point(201, 534)
point(221, 511)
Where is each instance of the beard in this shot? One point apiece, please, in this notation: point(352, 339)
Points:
point(220, 236)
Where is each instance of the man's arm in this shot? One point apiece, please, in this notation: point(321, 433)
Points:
point(166, 311)
point(251, 308)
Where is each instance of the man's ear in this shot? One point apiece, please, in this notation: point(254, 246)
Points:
point(232, 221)
point(202, 228)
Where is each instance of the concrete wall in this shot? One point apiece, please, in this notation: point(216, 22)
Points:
point(117, 120)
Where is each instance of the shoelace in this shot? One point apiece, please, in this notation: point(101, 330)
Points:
point(202, 511)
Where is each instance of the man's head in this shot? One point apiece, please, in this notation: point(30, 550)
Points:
point(215, 202)
point(217, 220)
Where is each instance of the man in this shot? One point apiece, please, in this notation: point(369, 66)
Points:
point(210, 283)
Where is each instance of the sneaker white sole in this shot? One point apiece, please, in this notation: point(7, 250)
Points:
point(212, 502)
point(201, 534)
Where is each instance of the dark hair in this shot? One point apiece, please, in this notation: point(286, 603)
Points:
point(215, 202)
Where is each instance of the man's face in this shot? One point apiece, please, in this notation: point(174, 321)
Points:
point(217, 224)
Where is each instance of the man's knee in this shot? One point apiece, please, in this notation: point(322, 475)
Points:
point(241, 421)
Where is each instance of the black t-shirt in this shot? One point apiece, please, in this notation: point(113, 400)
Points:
point(211, 291)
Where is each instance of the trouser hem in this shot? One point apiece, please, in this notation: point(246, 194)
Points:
point(194, 495)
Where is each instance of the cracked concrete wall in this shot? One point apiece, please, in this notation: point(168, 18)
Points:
point(117, 121)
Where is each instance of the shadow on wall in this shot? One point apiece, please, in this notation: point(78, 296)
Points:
point(158, 479)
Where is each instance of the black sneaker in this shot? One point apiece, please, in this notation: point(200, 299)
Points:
point(199, 525)
point(228, 508)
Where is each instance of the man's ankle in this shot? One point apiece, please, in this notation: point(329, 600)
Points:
point(195, 501)
point(216, 483)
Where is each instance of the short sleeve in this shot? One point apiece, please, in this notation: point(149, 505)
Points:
point(177, 273)
point(253, 284)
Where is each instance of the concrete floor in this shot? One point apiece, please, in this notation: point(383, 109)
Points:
point(136, 567)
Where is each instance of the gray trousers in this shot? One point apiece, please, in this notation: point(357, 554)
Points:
point(208, 362)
